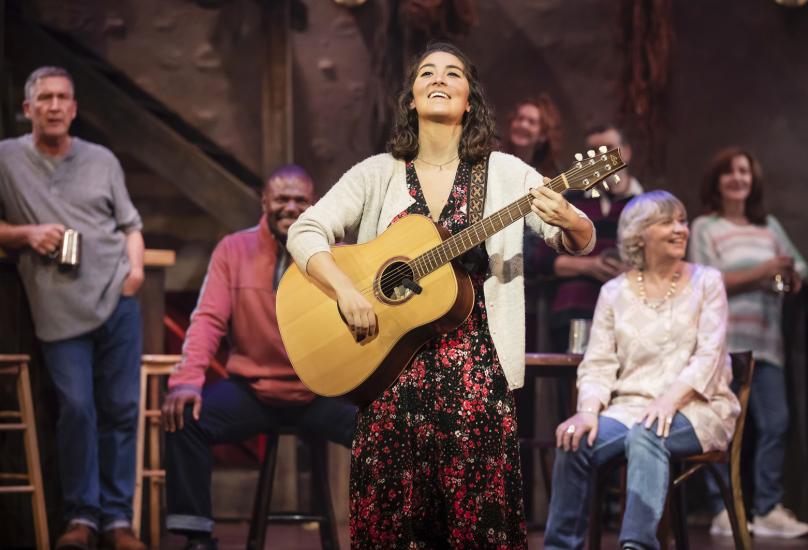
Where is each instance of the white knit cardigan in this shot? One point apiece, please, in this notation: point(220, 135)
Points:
point(367, 198)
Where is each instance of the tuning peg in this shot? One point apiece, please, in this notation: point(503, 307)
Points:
point(591, 153)
point(579, 157)
point(595, 194)
point(605, 186)
point(602, 149)
point(616, 178)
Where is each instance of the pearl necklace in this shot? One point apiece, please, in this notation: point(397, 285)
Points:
point(438, 166)
point(671, 290)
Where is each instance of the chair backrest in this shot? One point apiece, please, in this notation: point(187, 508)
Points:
point(743, 366)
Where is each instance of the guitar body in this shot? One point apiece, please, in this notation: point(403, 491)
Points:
point(388, 271)
point(319, 343)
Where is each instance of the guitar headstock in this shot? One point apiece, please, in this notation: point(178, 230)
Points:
point(588, 172)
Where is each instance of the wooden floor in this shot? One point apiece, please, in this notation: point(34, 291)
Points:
point(232, 536)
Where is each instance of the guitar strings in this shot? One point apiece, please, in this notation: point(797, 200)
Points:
point(399, 272)
point(408, 266)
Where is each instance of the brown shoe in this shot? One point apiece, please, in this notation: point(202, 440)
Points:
point(77, 537)
point(121, 538)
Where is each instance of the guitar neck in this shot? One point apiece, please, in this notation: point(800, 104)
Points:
point(463, 241)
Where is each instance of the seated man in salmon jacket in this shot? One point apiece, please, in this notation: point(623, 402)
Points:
point(262, 391)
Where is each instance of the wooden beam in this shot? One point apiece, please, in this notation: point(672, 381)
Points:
point(132, 129)
point(276, 86)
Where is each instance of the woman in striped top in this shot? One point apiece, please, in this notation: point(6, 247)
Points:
point(759, 264)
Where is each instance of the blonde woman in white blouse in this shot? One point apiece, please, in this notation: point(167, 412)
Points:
point(654, 383)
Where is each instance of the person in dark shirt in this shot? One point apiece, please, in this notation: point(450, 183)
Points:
point(579, 278)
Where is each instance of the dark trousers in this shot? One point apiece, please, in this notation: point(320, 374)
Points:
point(230, 413)
point(97, 380)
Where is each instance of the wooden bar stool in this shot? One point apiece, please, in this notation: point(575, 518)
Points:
point(152, 368)
point(23, 420)
point(322, 511)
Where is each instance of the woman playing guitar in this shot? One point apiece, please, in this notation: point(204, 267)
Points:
point(435, 460)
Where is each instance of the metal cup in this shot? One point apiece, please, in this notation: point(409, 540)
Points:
point(579, 335)
point(781, 284)
point(70, 250)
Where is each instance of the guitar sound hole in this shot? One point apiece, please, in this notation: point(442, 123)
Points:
point(390, 282)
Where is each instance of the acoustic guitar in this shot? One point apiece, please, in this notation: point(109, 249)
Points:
point(416, 289)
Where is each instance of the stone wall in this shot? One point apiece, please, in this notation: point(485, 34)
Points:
point(738, 76)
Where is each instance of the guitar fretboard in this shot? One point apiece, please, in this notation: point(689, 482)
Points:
point(582, 176)
point(465, 240)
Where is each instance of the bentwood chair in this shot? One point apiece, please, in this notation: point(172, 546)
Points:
point(742, 369)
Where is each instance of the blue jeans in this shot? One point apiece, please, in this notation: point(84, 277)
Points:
point(231, 413)
point(769, 412)
point(97, 379)
point(647, 480)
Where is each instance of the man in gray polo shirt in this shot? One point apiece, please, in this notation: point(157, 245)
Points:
point(86, 318)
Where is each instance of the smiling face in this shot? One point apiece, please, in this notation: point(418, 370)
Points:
point(526, 129)
point(735, 184)
point(285, 197)
point(51, 108)
point(666, 237)
point(441, 90)
point(611, 139)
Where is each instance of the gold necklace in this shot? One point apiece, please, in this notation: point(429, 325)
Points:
point(671, 290)
point(438, 166)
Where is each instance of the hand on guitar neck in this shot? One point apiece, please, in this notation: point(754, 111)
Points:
point(356, 310)
point(554, 209)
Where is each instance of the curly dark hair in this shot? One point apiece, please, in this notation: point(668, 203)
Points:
point(721, 164)
point(477, 139)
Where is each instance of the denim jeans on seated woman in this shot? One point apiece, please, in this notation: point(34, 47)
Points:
point(646, 486)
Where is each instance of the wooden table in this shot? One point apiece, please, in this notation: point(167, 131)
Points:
point(551, 364)
point(535, 417)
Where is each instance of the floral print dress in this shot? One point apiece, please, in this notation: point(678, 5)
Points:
point(435, 459)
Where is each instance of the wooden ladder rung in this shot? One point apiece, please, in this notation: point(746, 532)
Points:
point(9, 489)
point(154, 473)
point(10, 414)
point(13, 427)
point(15, 370)
point(15, 475)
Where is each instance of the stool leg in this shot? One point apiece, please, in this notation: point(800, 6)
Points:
point(139, 450)
point(32, 457)
point(263, 496)
point(154, 463)
point(321, 494)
